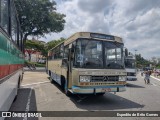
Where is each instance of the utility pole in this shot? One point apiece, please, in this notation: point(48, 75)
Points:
point(135, 59)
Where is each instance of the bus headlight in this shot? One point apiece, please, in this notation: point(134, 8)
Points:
point(122, 78)
point(84, 78)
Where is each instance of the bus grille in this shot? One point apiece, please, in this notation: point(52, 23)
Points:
point(131, 74)
point(104, 78)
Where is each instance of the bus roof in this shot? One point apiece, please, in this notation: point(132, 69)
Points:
point(98, 36)
point(90, 35)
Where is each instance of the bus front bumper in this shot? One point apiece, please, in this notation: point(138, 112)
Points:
point(95, 89)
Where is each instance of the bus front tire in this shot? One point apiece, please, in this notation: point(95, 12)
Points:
point(67, 92)
point(65, 89)
point(63, 83)
point(49, 73)
point(51, 80)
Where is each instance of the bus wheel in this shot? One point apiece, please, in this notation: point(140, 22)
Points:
point(51, 80)
point(49, 73)
point(64, 86)
point(67, 92)
point(63, 83)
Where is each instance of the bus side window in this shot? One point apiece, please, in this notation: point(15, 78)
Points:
point(14, 26)
point(52, 55)
point(19, 37)
point(65, 55)
point(56, 53)
point(4, 16)
point(21, 42)
point(66, 48)
point(61, 52)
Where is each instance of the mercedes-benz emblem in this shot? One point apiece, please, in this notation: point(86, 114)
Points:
point(105, 78)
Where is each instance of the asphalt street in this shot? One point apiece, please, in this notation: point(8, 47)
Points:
point(38, 94)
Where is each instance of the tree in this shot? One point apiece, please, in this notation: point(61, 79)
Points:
point(154, 60)
point(141, 62)
point(53, 43)
point(39, 17)
point(34, 46)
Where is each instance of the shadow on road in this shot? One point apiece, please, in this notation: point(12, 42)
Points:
point(134, 86)
point(25, 100)
point(56, 84)
point(107, 102)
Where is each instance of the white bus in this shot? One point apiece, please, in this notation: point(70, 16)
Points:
point(88, 63)
point(11, 55)
point(130, 65)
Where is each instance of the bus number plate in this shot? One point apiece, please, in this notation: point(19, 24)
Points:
point(106, 89)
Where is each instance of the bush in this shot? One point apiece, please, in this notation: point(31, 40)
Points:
point(36, 64)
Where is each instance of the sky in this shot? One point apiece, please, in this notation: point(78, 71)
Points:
point(136, 21)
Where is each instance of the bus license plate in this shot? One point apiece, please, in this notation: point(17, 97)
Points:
point(106, 89)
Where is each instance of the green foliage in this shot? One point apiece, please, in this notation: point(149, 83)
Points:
point(141, 62)
point(53, 43)
point(158, 66)
point(33, 45)
point(36, 45)
point(35, 63)
point(39, 17)
point(43, 48)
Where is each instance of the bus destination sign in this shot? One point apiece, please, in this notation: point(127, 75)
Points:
point(102, 36)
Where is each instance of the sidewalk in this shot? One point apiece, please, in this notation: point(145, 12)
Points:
point(32, 77)
point(154, 77)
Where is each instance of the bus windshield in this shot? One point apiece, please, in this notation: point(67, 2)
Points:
point(114, 55)
point(129, 63)
point(89, 54)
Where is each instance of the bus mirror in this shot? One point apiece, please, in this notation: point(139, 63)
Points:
point(64, 61)
point(72, 55)
point(72, 49)
point(72, 52)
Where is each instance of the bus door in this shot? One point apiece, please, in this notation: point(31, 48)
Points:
point(69, 67)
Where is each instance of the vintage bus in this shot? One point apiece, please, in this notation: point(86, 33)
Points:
point(11, 55)
point(130, 65)
point(88, 63)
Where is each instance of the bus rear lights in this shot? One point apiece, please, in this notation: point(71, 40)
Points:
point(84, 78)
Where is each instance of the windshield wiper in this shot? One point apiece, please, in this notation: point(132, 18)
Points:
point(114, 65)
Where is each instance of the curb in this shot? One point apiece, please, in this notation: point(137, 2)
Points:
point(155, 78)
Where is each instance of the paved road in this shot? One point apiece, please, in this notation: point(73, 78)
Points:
point(38, 94)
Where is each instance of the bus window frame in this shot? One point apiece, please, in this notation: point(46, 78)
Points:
point(56, 50)
point(8, 32)
point(75, 51)
point(103, 53)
